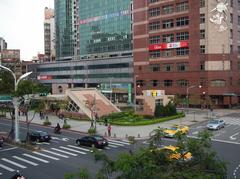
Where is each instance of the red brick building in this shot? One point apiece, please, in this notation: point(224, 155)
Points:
point(181, 44)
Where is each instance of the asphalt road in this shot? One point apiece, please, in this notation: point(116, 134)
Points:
point(61, 155)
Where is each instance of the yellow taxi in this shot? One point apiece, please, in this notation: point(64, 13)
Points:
point(174, 129)
point(175, 155)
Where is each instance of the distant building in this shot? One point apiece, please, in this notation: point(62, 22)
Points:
point(3, 44)
point(11, 59)
point(49, 34)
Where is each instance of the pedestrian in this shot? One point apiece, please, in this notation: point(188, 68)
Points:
point(109, 130)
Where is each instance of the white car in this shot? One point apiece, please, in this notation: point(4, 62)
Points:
point(215, 124)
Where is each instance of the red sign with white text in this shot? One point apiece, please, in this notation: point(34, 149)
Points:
point(44, 77)
point(168, 45)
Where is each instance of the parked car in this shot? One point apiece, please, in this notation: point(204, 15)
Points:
point(215, 124)
point(92, 141)
point(174, 129)
point(39, 136)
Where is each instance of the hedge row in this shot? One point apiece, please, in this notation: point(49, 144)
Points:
point(148, 121)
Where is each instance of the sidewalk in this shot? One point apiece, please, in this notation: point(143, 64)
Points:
point(138, 131)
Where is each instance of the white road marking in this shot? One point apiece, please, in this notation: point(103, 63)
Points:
point(116, 144)
point(8, 149)
point(113, 146)
point(65, 139)
point(7, 168)
point(54, 153)
point(107, 148)
point(196, 132)
point(69, 153)
point(26, 161)
point(72, 150)
point(125, 140)
point(233, 136)
point(47, 156)
point(87, 150)
point(36, 158)
point(13, 163)
point(42, 143)
point(0, 173)
point(120, 142)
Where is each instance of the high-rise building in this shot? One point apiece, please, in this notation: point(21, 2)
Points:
point(181, 44)
point(3, 44)
point(49, 34)
point(93, 47)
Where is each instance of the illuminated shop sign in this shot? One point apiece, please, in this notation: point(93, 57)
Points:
point(168, 45)
point(44, 77)
point(107, 16)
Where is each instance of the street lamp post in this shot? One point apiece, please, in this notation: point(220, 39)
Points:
point(187, 97)
point(135, 92)
point(15, 100)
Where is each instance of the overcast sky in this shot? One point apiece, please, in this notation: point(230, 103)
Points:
point(21, 25)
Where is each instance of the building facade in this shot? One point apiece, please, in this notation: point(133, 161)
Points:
point(93, 47)
point(49, 34)
point(3, 44)
point(181, 44)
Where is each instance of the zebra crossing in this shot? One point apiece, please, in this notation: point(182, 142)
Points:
point(232, 120)
point(46, 156)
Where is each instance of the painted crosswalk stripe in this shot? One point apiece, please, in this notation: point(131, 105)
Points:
point(0, 173)
point(47, 156)
point(72, 150)
point(36, 158)
point(107, 148)
point(80, 148)
point(13, 163)
point(120, 142)
point(116, 144)
point(54, 153)
point(69, 153)
point(112, 146)
point(7, 168)
point(125, 141)
point(26, 161)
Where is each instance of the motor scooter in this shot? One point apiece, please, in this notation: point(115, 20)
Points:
point(1, 141)
point(57, 130)
point(18, 175)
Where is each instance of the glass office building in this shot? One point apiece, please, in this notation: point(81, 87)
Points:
point(104, 28)
point(64, 29)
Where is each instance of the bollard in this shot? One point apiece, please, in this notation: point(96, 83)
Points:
point(126, 136)
point(114, 135)
point(138, 135)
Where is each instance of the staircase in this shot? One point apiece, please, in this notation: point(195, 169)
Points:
point(85, 99)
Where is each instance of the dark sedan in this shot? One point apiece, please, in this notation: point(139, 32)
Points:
point(92, 141)
point(39, 136)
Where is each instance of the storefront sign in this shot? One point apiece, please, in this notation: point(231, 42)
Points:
point(168, 45)
point(44, 77)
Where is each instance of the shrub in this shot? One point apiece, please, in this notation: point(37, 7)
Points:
point(168, 110)
point(47, 123)
point(92, 131)
point(66, 126)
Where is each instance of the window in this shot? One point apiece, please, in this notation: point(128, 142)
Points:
point(202, 34)
point(167, 67)
point(154, 83)
point(154, 67)
point(218, 83)
point(231, 18)
point(182, 6)
point(182, 83)
point(182, 66)
point(140, 83)
point(158, 102)
point(152, 1)
point(154, 12)
point(238, 66)
point(182, 36)
point(238, 20)
point(182, 21)
point(202, 18)
point(182, 51)
point(167, 24)
point(202, 66)
point(231, 34)
point(168, 83)
point(154, 39)
point(202, 49)
point(202, 3)
point(154, 25)
point(168, 38)
point(167, 53)
point(238, 50)
point(154, 54)
point(168, 9)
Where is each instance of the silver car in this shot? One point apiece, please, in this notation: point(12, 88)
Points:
point(215, 124)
